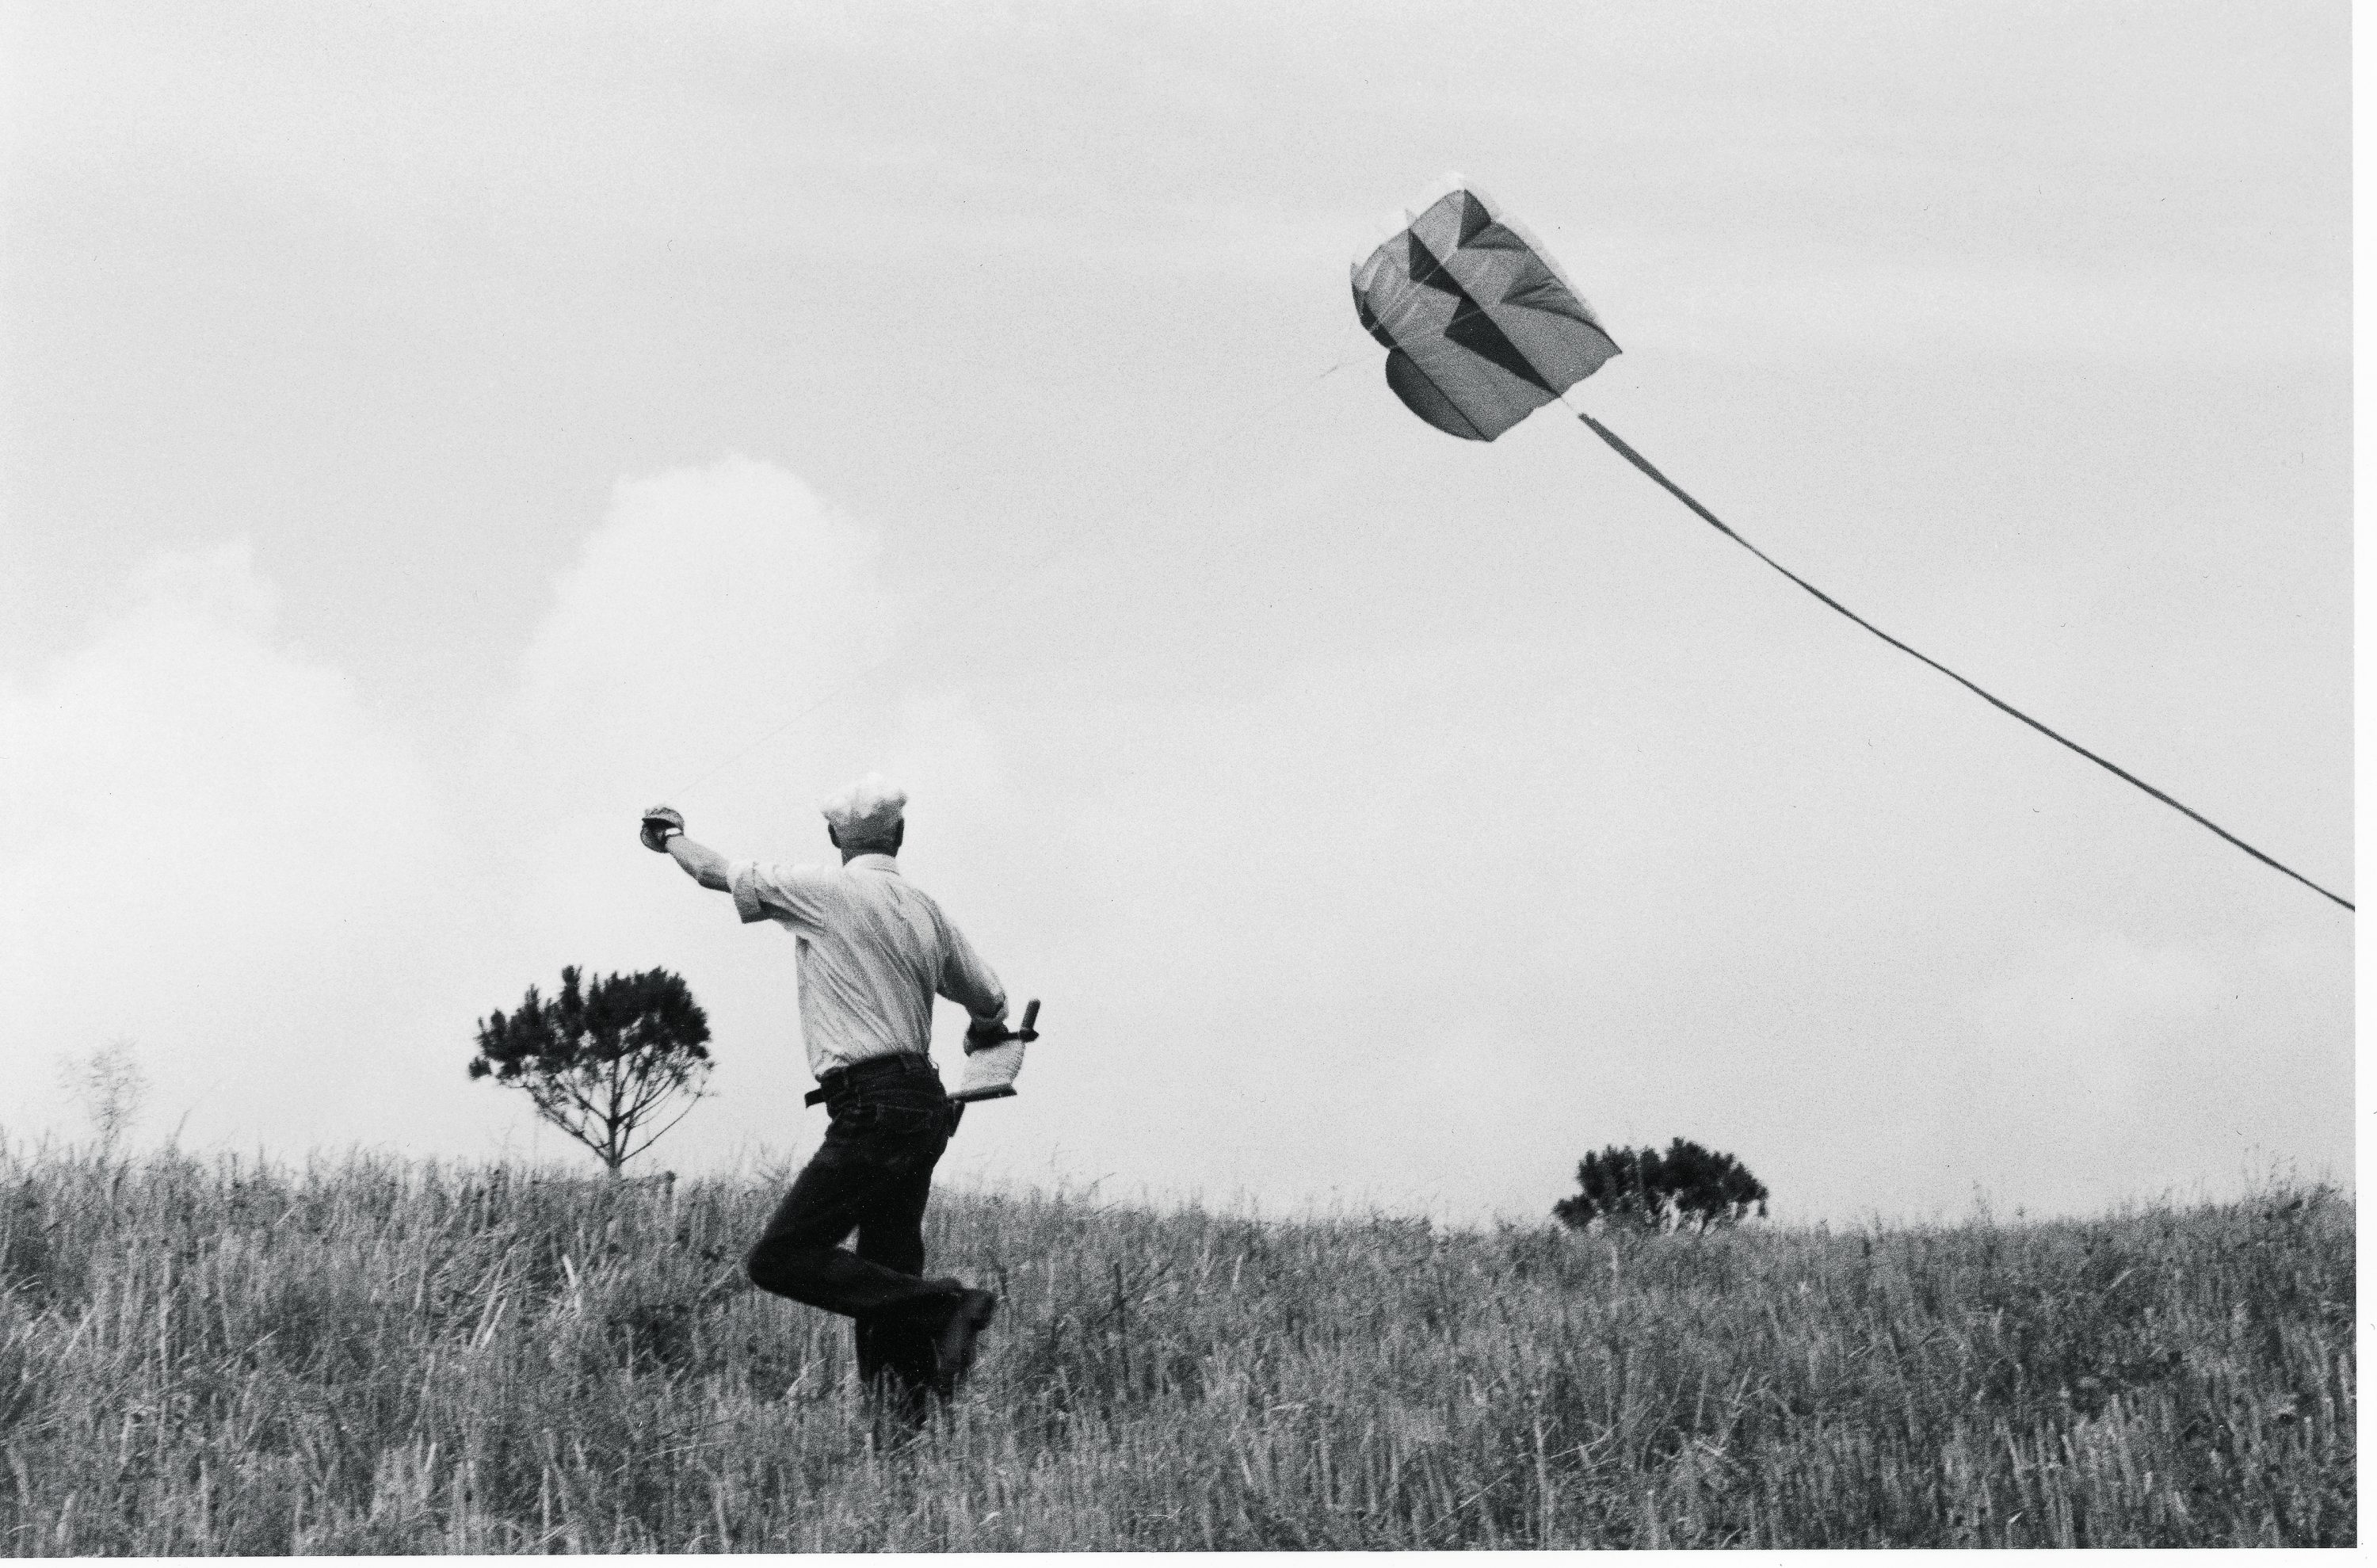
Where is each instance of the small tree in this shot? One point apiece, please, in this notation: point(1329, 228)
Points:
point(1644, 1188)
point(108, 1084)
point(605, 1061)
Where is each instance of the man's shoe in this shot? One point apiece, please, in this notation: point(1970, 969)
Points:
point(953, 1346)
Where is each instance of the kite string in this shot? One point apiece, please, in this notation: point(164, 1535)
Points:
point(1064, 541)
point(1644, 464)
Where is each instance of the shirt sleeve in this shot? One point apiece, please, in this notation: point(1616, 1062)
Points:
point(966, 979)
point(776, 892)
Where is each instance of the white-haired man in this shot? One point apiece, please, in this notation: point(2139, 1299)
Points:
point(873, 950)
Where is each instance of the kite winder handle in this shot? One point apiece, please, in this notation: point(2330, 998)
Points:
point(1027, 1033)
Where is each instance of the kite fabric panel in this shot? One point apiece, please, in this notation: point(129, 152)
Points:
point(1480, 326)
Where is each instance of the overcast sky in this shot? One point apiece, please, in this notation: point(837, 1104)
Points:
point(429, 434)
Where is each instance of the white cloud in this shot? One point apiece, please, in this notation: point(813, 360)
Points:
point(221, 853)
point(709, 603)
point(233, 861)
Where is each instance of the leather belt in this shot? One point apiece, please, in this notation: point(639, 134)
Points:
point(845, 1078)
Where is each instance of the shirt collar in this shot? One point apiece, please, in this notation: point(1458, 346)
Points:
point(872, 863)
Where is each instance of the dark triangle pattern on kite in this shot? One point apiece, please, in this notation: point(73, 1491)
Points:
point(1550, 296)
point(1497, 237)
point(1474, 331)
point(1475, 218)
point(1429, 272)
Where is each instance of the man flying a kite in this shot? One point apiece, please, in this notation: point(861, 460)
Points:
point(873, 950)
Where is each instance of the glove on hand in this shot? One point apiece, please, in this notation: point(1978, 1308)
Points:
point(984, 1033)
point(658, 822)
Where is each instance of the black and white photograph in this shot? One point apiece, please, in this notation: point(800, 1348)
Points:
point(948, 777)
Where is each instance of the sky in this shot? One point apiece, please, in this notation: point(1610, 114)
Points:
point(430, 434)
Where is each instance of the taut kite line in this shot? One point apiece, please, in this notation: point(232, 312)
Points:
point(1482, 329)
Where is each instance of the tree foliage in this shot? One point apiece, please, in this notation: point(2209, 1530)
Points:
point(604, 1061)
point(1688, 1186)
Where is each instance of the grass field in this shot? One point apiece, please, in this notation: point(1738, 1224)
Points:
point(379, 1357)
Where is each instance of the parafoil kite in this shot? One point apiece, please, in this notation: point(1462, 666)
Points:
point(1482, 329)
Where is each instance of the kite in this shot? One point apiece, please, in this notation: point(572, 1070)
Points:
point(1480, 326)
point(1482, 329)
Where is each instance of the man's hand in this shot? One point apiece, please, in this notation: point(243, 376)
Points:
point(660, 821)
point(984, 1033)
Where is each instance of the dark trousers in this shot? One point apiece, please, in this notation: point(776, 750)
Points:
point(889, 1121)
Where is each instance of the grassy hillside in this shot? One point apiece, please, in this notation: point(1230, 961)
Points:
point(389, 1358)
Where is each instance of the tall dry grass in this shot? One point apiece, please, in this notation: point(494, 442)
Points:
point(373, 1356)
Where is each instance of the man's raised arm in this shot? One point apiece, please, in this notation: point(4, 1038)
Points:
point(663, 829)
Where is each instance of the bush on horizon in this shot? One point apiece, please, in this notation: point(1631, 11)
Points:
point(1687, 1187)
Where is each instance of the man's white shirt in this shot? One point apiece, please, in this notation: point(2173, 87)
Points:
point(873, 950)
